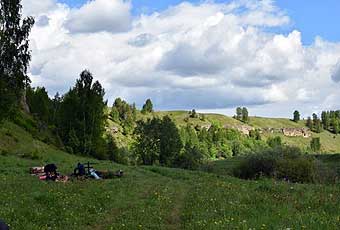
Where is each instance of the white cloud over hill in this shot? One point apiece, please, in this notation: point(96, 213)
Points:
point(207, 56)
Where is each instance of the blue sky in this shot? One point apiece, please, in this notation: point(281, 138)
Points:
point(311, 17)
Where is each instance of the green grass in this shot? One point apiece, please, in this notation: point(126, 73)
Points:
point(151, 197)
point(261, 122)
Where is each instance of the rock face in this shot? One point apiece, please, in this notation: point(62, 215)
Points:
point(296, 132)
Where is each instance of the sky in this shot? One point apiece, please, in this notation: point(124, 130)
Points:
point(271, 56)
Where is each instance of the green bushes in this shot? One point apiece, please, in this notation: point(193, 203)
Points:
point(284, 163)
point(256, 166)
point(295, 170)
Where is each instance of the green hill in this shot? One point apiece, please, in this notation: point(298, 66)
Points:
point(330, 143)
point(149, 197)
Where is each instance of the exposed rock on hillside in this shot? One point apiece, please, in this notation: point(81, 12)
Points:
point(296, 132)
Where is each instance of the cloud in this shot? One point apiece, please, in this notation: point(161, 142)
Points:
point(42, 21)
point(206, 56)
point(36, 7)
point(100, 15)
point(336, 73)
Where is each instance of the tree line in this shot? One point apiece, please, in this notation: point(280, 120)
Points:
point(330, 121)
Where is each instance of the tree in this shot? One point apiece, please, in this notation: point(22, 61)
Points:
point(40, 104)
point(157, 141)
point(245, 117)
point(336, 126)
point(315, 144)
point(14, 55)
point(193, 114)
point(147, 147)
point(325, 118)
point(125, 114)
point(190, 158)
point(170, 142)
point(239, 113)
point(81, 116)
point(317, 126)
point(309, 123)
point(296, 116)
point(147, 107)
point(114, 114)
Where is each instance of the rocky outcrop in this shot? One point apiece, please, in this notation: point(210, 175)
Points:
point(296, 132)
point(288, 132)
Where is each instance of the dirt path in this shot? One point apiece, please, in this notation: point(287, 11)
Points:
point(174, 219)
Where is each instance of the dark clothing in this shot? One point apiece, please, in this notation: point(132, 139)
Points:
point(51, 172)
point(50, 168)
point(3, 226)
point(80, 170)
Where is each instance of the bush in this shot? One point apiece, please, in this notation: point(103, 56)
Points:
point(274, 142)
point(315, 144)
point(298, 170)
point(255, 166)
point(282, 163)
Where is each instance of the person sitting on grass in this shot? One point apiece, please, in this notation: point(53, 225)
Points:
point(79, 170)
point(51, 172)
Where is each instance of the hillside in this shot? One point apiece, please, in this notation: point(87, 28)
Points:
point(150, 197)
point(330, 143)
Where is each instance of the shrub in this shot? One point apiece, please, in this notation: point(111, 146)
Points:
point(315, 144)
point(297, 170)
point(274, 142)
point(282, 163)
point(255, 166)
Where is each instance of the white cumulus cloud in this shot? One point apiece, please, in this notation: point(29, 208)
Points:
point(204, 56)
point(100, 15)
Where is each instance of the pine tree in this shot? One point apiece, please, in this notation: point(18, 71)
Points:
point(14, 55)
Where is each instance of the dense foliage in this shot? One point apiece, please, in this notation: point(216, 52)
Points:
point(81, 117)
point(124, 114)
point(242, 114)
point(331, 121)
point(147, 107)
point(284, 163)
point(296, 117)
point(157, 141)
point(14, 55)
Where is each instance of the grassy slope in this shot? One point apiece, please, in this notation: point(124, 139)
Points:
point(150, 197)
point(330, 142)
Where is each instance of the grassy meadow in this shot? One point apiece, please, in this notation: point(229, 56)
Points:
point(151, 197)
